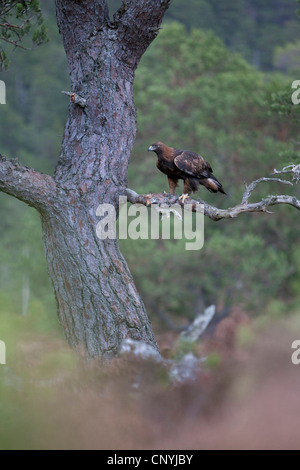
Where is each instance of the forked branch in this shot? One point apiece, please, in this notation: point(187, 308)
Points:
point(138, 23)
point(292, 168)
point(215, 213)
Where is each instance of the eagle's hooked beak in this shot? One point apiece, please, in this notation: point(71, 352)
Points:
point(151, 148)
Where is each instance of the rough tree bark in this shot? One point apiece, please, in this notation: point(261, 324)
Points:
point(98, 304)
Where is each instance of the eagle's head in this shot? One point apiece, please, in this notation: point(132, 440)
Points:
point(155, 147)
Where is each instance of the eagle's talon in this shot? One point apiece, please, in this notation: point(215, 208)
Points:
point(183, 197)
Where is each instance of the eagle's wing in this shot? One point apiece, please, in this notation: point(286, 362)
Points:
point(193, 164)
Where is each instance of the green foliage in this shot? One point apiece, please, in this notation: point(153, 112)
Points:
point(287, 58)
point(33, 119)
point(213, 360)
point(251, 27)
point(281, 105)
point(21, 25)
point(192, 92)
point(32, 123)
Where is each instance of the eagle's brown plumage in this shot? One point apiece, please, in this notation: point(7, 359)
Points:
point(187, 166)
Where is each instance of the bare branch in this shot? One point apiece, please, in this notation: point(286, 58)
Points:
point(292, 168)
point(199, 325)
point(250, 188)
point(213, 212)
point(76, 99)
point(10, 25)
point(16, 44)
point(17, 26)
point(35, 189)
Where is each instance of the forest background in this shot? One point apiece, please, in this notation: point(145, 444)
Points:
point(217, 81)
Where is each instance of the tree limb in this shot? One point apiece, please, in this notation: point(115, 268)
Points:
point(17, 20)
point(76, 20)
point(292, 168)
point(10, 26)
point(148, 11)
point(213, 212)
point(76, 99)
point(35, 189)
point(138, 23)
point(250, 188)
point(16, 44)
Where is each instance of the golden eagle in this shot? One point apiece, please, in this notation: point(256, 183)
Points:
point(187, 166)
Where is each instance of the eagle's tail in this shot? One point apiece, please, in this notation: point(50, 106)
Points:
point(213, 185)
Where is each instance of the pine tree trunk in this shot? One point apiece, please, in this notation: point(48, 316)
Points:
point(97, 300)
